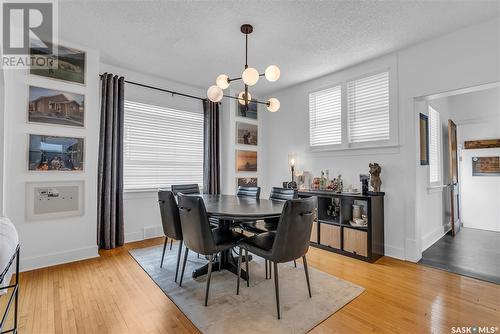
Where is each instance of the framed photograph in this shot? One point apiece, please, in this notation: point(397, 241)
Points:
point(246, 182)
point(246, 161)
point(55, 107)
point(486, 166)
point(246, 134)
point(242, 111)
point(54, 153)
point(69, 64)
point(51, 200)
point(424, 140)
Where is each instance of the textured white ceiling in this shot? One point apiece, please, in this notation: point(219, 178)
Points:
point(194, 41)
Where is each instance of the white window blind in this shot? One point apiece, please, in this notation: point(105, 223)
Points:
point(325, 117)
point(368, 108)
point(162, 146)
point(434, 146)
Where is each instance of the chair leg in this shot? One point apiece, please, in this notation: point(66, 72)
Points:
point(246, 267)
point(197, 255)
point(209, 275)
point(171, 241)
point(184, 265)
point(239, 272)
point(220, 261)
point(178, 260)
point(164, 248)
point(277, 288)
point(307, 275)
point(295, 263)
point(270, 269)
point(265, 264)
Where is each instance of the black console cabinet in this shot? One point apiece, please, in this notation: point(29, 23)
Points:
point(332, 229)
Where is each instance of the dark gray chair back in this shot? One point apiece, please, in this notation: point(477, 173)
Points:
point(294, 230)
point(185, 189)
point(283, 194)
point(249, 192)
point(169, 214)
point(196, 229)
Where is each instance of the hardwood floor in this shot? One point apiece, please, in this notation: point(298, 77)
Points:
point(112, 294)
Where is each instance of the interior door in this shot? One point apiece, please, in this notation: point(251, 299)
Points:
point(453, 178)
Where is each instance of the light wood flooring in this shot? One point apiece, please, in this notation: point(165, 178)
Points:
point(112, 294)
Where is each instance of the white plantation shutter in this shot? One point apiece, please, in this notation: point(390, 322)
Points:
point(162, 146)
point(368, 108)
point(325, 117)
point(434, 146)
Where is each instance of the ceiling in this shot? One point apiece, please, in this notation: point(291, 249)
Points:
point(193, 41)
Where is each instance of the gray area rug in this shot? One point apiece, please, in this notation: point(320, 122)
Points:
point(254, 309)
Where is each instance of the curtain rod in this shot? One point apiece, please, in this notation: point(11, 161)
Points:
point(160, 89)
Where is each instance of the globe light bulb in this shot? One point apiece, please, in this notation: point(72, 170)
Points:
point(273, 104)
point(272, 73)
point(214, 94)
point(250, 76)
point(222, 81)
point(241, 98)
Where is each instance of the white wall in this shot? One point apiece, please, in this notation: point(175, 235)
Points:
point(467, 57)
point(141, 212)
point(50, 242)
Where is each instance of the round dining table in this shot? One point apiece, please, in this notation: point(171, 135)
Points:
point(228, 209)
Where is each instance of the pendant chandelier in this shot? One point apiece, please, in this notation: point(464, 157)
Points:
point(250, 77)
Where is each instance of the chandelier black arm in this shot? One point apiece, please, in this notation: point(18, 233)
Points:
point(255, 101)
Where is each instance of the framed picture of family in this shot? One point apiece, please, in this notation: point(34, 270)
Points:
point(54, 153)
point(246, 134)
point(66, 64)
point(243, 111)
point(56, 107)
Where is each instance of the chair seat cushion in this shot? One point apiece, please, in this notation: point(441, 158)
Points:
point(225, 238)
point(259, 226)
point(260, 244)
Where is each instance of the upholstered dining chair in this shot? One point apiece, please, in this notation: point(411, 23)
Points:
point(185, 189)
point(252, 192)
point(199, 237)
point(268, 225)
point(171, 223)
point(289, 242)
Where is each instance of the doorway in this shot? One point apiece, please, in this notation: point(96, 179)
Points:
point(460, 229)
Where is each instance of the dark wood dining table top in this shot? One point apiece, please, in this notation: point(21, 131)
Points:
point(236, 207)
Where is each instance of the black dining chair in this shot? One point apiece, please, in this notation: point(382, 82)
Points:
point(289, 242)
point(252, 192)
point(199, 237)
point(270, 224)
point(171, 223)
point(186, 189)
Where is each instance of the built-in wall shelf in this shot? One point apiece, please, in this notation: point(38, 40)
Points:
point(332, 229)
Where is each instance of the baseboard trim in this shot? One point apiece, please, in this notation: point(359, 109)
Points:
point(53, 259)
point(134, 236)
point(430, 238)
point(395, 252)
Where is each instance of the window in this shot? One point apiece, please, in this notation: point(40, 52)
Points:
point(325, 113)
point(162, 146)
point(434, 146)
point(356, 113)
point(368, 108)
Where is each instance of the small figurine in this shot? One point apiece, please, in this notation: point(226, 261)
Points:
point(375, 180)
point(364, 183)
point(340, 184)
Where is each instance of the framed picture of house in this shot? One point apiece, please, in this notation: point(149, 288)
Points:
point(246, 134)
point(246, 182)
point(56, 107)
point(54, 153)
point(67, 64)
point(424, 140)
point(246, 161)
point(243, 111)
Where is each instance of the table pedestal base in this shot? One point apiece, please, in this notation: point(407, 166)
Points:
point(226, 261)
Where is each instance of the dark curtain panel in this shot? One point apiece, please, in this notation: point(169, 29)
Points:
point(110, 165)
point(211, 155)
